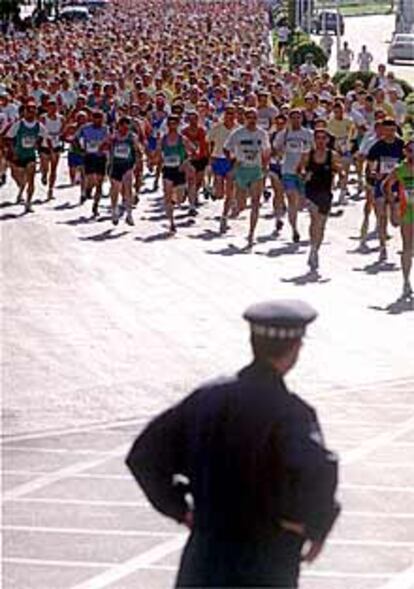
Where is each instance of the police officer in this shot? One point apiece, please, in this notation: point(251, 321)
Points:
point(242, 463)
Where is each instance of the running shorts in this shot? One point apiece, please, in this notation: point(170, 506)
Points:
point(245, 176)
point(293, 182)
point(119, 170)
point(152, 144)
point(75, 160)
point(174, 175)
point(379, 189)
point(275, 170)
point(95, 164)
point(23, 163)
point(321, 200)
point(200, 164)
point(48, 151)
point(221, 166)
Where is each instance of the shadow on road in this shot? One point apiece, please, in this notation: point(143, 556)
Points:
point(401, 305)
point(377, 267)
point(12, 216)
point(207, 235)
point(364, 250)
point(291, 248)
point(65, 206)
point(8, 203)
point(311, 277)
point(231, 250)
point(74, 222)
point(104, 236)
point(161, 236)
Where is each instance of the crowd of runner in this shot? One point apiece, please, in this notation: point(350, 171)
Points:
point(188, 93)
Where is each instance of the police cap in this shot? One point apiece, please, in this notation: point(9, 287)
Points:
point(280, 319)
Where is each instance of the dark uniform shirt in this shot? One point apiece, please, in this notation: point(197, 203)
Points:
point(252, 454)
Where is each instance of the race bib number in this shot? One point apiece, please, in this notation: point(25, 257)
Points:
point(294, 146)
point(342, 144)
point(122, 151)
point(264, 124)
point(55, 140)
point(172, 161)
point(409, 194)
point(387, 165)
point(92, 146)
point(28, 142)
point(249, 157)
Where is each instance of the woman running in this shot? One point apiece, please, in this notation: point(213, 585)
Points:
point(50, 151)
point(319, 167)
point(404, 175)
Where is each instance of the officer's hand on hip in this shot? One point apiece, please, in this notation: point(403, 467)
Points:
point(312, 551)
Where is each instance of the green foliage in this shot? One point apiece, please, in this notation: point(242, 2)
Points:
point(300, 51)
point(339, 76)
point(347, 82)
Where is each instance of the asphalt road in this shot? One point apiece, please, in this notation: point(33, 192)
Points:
point(103, 327)
point(374, 32)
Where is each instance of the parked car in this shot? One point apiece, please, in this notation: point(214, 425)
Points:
point(328, 21)
point(401, 48)
point(74, 13)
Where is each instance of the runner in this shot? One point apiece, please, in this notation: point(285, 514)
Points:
point(289, 145)
point(249, 147)
point(76, 160)
point(275, 174)
point(51, 149)
point(342, 128)
point(123, 148)
point(91, 138)
point(25, 136)
point(319, 167)
point(195, 171)
point(174, 150)
point(222, 166)
point(383, 157)
point(404, 175)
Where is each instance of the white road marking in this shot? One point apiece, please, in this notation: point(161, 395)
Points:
point(59, 475)
point(377, 442)
point(91, 502)
point(108, 426)
point(89, 531)
point(404, 580)
point(81, 475)
point(58, 563)
point(149, 534)
point(382, 488)
point(305, 573)
point(377, 514)
point(141, 561)
point(35, 449)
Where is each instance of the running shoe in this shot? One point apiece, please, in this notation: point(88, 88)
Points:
point(129, 219)
point(383, 254)
point(95, 210)
point(296, 236)
point(407, 289)
point(223, 225)
point(28, 208)
point(115, 216)
point(313, 260)
point(192, 211)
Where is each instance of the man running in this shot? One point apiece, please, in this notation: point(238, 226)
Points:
point(123, 148)
point(222, 166)
point(383, 157)
point(290, 144)
point(404, 175)
point(249, 147)
point(25, 136)
point(91, 138)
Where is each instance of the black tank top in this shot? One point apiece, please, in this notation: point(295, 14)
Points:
point(321, 173)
